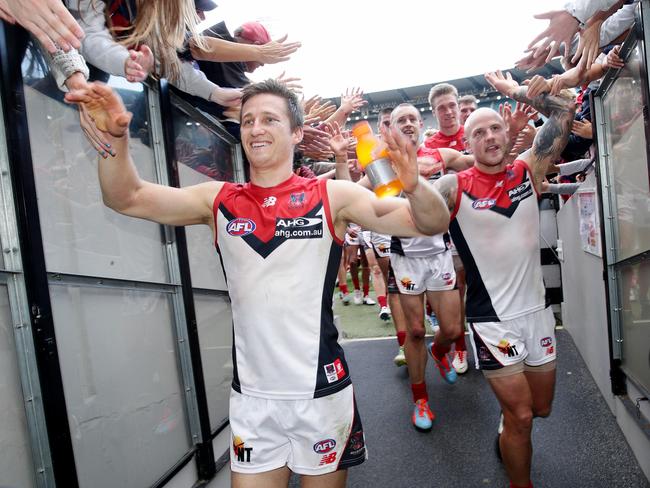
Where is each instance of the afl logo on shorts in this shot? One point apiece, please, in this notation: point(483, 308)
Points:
point(240, 227)
point(484, 203)
point(325, 446)
point(546, 341)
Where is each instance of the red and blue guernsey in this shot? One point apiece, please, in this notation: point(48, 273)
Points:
point(280, 256)
point(495, 227)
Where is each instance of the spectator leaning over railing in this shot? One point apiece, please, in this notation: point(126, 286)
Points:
point(123, 41)
point(582, 28)
point(71, 73)
point(47, 20)
point(254, 47)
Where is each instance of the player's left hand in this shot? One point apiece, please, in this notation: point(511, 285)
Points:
point(403, 153)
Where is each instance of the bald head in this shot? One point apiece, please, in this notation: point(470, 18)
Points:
point(486, 134)
point(478, 116)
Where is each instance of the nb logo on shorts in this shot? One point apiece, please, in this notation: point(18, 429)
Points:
point(327, 459)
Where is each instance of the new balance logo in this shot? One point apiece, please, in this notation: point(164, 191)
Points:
point(327, 459)
point(269, 202)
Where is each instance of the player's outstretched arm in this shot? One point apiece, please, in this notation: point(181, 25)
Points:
point(456, 160)
point(552, 138)
point(448, 188)
point(351, 202)
point(122, 188)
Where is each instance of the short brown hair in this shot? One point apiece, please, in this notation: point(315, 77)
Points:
point(468, 99)
point(441, 89)
point(274, 87)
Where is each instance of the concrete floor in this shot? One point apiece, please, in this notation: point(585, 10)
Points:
point(579, 445)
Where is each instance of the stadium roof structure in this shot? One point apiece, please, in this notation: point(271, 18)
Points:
point(418, 95)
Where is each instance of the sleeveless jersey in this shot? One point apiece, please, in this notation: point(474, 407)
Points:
point(455, 141)
point(280, 256)
point(495, 227)
point(422, 247)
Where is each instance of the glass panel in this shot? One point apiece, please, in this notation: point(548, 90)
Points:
point(214, 319)
point(634, 293)
point(628, 163)
point(16, 464)
point(4, 166)
point(80, 234)
point(203, 156)
point(122, 387)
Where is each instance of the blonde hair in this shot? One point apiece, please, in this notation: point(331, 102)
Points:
point(162, 25)
point(441, 89)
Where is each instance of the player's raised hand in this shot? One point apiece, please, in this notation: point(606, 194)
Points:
point(403, 154)
point(104, 107)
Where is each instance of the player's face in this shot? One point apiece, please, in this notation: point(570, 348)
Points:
point(266, 133)
point(384, 121)
point(465, 110)
point(407, 120)
point(446, 109)
point(487, 138)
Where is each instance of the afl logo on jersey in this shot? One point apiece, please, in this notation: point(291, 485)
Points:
point(484, 203)
point(240, 227)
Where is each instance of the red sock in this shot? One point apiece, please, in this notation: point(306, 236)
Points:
point(382, 301)
point(419, 391)
point(366, 289)
point(460, 343)
point(529, 485)
point(343, 288)
point(429, 309)
point(401, 337)
point(355, 281)
point(440, 351)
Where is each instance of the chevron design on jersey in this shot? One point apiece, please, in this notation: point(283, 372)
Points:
point(308, 226)
point(508, 200)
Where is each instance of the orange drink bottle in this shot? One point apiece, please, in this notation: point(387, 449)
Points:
point(375, 162)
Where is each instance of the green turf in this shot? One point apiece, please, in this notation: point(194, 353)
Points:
point(357, 321)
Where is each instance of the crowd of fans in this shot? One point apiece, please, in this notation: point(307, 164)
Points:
point(137, 39)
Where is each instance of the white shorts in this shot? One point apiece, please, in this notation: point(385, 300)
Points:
point(356, 240)
point(352, 241)
point(366, 237)
point(414, 276)
point(380, 244)
point(530, 339)
point(311, 437)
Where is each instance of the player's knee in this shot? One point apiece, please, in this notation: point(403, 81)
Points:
point(523, 420)
point(417, 333)
point(376, 271)
point(543, 411)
